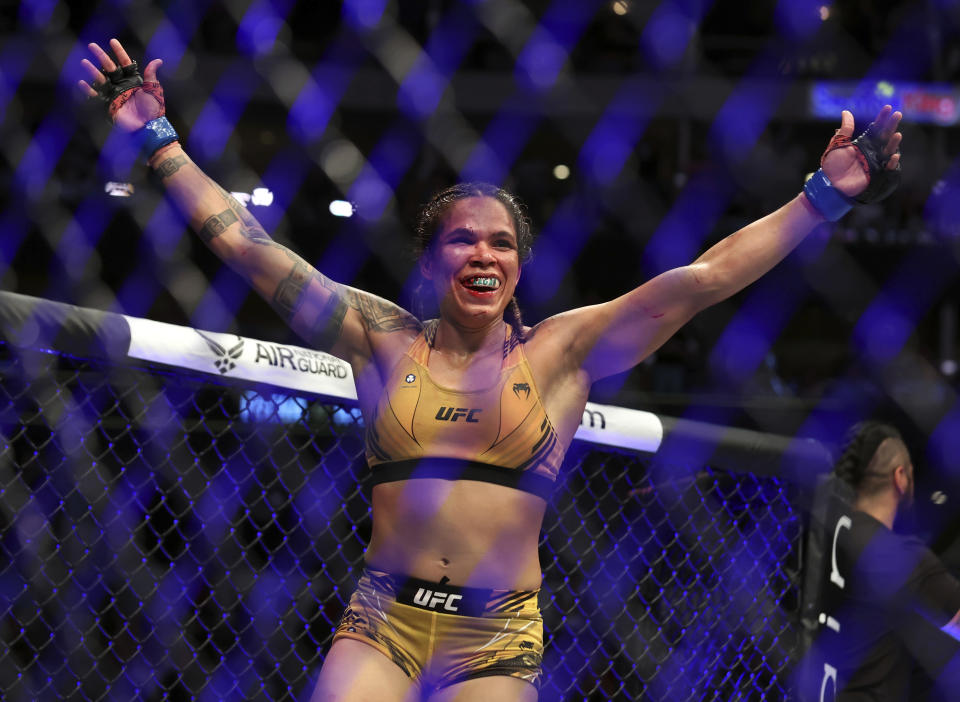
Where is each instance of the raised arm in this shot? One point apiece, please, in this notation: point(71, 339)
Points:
point(612, 337)
point(327, 315)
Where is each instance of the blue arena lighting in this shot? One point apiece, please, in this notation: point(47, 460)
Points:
point(423, 86)
point(799, 19)
point(678, 237)
point(389, 161)
point(318, 99)
point(260, 25)
point(502, 141)
point(41, 155)
point(907, 295)
point(669, 30)
point(567, 230)
point(170, 39)
point(746, 114)
point(219, 116)
point(618, 130)
point(371, 194)
point(220, 301)
point(363, 14)
point(14, 225)
point(539, 63)
point(944, 443)
point(162, 235)
point(37, 13)
point(749, 335)
point(941, 212)
point(14, 60)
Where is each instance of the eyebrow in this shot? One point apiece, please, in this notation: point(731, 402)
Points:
point(471, 232)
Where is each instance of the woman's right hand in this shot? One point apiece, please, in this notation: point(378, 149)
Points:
point(131, 102)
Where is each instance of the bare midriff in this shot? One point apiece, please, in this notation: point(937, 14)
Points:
point(476, 534)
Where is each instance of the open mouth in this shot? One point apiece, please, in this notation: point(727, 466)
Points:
point(480, 284)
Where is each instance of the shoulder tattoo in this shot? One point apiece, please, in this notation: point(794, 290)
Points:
point(380, 315)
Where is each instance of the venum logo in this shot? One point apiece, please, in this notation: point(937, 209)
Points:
point(410, 378)
point(449, 414)
point(226, 358)
point(593, 417)
point(521, 387)
point(431, 600)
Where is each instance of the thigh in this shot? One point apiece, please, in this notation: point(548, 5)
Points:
point(356, 672)
point(493, 687)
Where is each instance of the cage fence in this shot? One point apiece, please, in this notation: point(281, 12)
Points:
point(167, 534)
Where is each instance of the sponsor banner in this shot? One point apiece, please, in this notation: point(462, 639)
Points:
point(619, 426)
point(919, 102)
point(232, 356)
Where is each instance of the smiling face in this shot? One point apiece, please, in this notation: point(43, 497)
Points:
point(473, 262)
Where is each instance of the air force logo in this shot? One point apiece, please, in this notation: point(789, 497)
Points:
point(226, 358)
point(410, 378)
point(521, 387)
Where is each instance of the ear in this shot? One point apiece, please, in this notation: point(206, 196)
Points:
point(519, 271)
point(426, 266)
point(901, 478)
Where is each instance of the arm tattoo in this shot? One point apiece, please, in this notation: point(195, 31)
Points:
point(216, 225)
point(326, 331)
point(250, 228)
point(380, 315)
point(288, 296)
point(168, 167)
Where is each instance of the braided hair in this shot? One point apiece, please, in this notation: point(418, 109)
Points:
point(431, 216)
point(870, 453)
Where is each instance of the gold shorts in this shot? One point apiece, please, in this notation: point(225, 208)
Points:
point(440, 635)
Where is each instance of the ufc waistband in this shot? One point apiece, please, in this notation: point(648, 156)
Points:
point(451, 599)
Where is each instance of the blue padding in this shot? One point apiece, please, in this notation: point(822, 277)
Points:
point(156, 133)
point(829, 201)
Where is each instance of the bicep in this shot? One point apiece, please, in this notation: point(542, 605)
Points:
point(615, 336)
point(328, 315)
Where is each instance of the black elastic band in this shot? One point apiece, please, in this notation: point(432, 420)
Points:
point(447, 599)
point(458, 469)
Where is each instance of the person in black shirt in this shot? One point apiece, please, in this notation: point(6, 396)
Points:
point(885, 600)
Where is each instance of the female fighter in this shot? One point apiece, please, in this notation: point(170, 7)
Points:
point(468, 416)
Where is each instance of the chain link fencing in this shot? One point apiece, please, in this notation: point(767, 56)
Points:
point(172, 535)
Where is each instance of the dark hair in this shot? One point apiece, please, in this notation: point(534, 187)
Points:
point(871, 451)
point(431, 216)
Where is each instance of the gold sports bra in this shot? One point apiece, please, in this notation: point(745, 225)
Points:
point(499, 434)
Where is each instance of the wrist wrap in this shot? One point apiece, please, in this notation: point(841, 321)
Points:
point(828, 201)
point(156, 133)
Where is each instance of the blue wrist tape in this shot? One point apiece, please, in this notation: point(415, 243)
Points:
point(156, 133)
point(829, 201)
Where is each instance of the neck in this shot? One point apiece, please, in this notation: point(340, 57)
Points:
point(456, 340)
point(882, 507)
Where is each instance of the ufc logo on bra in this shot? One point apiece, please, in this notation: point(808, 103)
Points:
point(431, 599)
point(449, 414)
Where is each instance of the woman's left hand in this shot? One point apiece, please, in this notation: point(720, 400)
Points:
point(864, 168)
